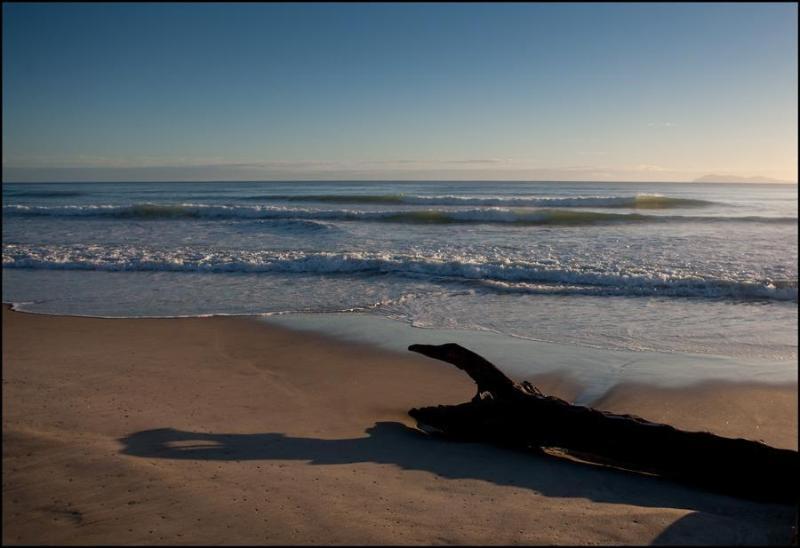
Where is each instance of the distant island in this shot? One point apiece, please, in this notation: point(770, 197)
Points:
point(714, 178)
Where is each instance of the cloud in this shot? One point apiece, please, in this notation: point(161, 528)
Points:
point(168, 162)
point(467, 161)
point(296, 171)
point(649, 167)
point(199, 168)
point(95, 161)
point(480, 161)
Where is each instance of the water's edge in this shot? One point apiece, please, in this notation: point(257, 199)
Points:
point(594, 371)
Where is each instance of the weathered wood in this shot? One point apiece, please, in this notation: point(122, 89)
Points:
point(517, 414)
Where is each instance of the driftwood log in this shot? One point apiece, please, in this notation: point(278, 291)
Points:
point(515, 414)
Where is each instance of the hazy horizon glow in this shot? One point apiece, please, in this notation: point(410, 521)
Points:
point(573, 92)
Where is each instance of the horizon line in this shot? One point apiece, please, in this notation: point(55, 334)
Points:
point(777, 182)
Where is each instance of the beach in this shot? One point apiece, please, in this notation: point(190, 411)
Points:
point(400, 274)
point(225, 430)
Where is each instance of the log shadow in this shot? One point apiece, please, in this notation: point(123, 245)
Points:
point(705, 529)
point(397, 444)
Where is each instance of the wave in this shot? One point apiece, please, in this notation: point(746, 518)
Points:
point(780, 290)
point(46, 193)
point(299, 225)
point(426, 216)
point(497, 275)
point(638, 201)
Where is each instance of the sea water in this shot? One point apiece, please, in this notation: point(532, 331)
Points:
point(662, 269)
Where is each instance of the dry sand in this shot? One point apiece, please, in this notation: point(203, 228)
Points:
point(227, 431)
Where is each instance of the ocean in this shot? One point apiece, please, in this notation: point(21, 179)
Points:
point(676, 271)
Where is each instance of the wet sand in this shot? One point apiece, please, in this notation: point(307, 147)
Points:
point(228, 431)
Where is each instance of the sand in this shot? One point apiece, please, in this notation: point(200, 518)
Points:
point(226, 431)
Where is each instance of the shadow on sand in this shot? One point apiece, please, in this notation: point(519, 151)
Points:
point(396, 444)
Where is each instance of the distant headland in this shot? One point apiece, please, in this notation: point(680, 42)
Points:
point(715, 178)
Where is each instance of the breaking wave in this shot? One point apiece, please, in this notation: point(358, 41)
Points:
point(638, 201)
point(413, 216)
point(495, 275)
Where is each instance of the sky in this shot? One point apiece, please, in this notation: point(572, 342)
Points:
point(475, 91)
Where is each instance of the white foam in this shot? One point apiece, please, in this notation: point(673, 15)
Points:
point(498, 273)
point(644, 201)
point(541, 216)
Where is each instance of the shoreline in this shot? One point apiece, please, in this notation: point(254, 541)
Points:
point(226, 430)
point(595, 369)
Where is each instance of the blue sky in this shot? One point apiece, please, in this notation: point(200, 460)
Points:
point(399, 91)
